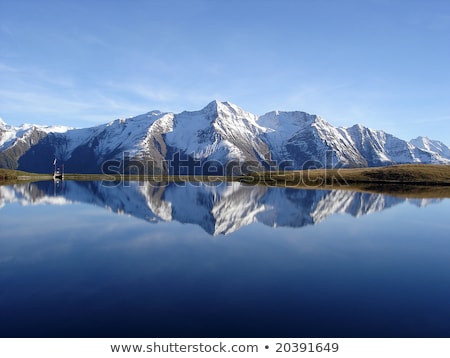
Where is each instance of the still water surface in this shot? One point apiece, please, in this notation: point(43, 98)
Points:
point(80, 259)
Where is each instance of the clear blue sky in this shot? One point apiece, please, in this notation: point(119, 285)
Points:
point(382, 63)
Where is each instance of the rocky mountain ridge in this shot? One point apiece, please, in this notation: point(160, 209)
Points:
point(219, 139)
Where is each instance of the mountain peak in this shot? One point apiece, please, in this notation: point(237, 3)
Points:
point(216, 105)
point(422, 139)
point(221, 133)
point(153, 112)
point(431, 145)
point(228, 109)
point(357, 126)
point(288, 120)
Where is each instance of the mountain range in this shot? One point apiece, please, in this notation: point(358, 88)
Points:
point(218, 139)
point(220, 208)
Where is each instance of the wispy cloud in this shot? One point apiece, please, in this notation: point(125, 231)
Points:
point(92, 39)
point(5, 29)
point(431, 120)
point(6, 69)
point(37, 95)
point(51, 108)
point(168, 97)
point(32, 76)
point(38, 104)
point(144, 91)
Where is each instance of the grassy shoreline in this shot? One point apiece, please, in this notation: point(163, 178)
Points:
point(8, 176)
point(411, 174)
point(407, 180)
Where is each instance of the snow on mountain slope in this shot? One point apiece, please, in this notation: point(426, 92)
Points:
point(342, 148)
point(82, 150)
point(211, 141)
point(153, 146)
point(7, 135)
point(303, 138)
point(126, 134)
point(436, 151)
point(108, 140)
point(431, 146)
point(10, 134)
point(221, 131)
point(281, 127)
point(16, 142)
point(380, 148)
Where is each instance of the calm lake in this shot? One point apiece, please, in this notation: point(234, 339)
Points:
point(83, 259)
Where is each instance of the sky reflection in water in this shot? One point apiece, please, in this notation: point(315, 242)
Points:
point(225, 261)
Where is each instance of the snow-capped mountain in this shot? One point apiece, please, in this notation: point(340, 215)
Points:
point(15, 142)
point(303, 140)
point(219, 139)
point(434, 149)
point(219, 209)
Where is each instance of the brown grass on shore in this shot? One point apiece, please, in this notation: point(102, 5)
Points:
point(408, 180)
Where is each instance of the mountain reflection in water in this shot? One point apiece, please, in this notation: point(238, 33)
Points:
point(70, 266)
point(219, 208)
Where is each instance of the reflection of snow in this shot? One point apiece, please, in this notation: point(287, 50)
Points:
point(421, 203)
point(353, 203)
point(153, 195)
point(26, 194)
point(219, 209)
